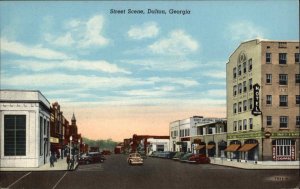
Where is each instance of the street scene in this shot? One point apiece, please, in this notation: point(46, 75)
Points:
point(154, 173)
point(142, 94)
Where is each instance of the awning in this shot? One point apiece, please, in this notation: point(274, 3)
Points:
point(232, 147)
point(210, 146)
point(199, 147)
point(247, 147)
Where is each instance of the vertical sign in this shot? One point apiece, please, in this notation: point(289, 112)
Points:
point(274, 152)
point(293, 152)
point(256, 111)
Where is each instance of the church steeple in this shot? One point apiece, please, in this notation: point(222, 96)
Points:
point(73, 120)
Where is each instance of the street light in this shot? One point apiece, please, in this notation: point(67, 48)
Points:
point(71, 138)
point(78, 149)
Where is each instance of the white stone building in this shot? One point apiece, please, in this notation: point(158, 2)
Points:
point(24, 129)
point(161, 145)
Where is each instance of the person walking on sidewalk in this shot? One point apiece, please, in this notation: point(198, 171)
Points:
point(72, 164)
point(52, 159)
point(68, 162)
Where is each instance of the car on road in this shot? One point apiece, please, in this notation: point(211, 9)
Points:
point(178, 155)
point(135, 158)
point(199, 158)
point(106, 152)
point(185, 157)
point(91, 157)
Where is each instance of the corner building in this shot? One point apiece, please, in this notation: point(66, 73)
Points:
point(263, 101)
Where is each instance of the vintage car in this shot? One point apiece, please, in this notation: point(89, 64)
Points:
point(135, 158)
point(91, 157)
point(178, 155)
point(186, 157)
point(199, 158)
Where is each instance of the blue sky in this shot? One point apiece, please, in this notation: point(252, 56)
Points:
point(78, 53)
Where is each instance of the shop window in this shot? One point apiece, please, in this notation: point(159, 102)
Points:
point(269, 78)
point(268, 58)
point(283, 100)
point(283, 120)
point(282, 58)
point(269, 100)
point(269, 121)
point(14, 135)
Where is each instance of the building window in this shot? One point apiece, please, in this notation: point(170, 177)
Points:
point(250, 104)
point(234, 90)
point(283, 120)
point(283, 149)
point(269, 120)
point(250, 84)
point(268, 58)
point(250, 65)
point(240, 107)
point(282, 44)
point(283, 79)
point(250, 123)
point(14, 135)
point(297, 78)
point(234, 72)
point(297, 121)
point(240, 88)
point(244, 86)
point(297, 99)
point(282, 58)
point(245, 105)
point(297, 57)
point(245, 124)
point(245, 67)
point(234, 108)
point(269, 78)
point(240, 70)
point(283, 100)
point(269, 100)
point(234, 126)
point(240, 125)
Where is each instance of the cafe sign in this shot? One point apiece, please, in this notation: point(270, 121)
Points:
point(256, 111)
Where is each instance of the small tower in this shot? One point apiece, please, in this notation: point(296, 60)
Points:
point(73, 120)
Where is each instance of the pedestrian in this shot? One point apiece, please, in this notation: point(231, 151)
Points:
point(68, 162)
point(52, 159)
point(72, 164)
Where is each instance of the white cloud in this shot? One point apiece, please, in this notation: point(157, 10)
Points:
point(245, 30)
point(179, 81)
point(147, 30)
point(82, 34)
point(100, 65)
point(164, 64)
point(217, 74)
point(30, 51)
point(216, 93)
point(177, 43)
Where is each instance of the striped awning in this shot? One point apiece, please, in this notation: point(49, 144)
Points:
point(247, 147)
point(232, 147)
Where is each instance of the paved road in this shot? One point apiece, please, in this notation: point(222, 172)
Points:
point(115, 173)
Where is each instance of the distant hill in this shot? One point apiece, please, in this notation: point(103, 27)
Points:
point(108, 144)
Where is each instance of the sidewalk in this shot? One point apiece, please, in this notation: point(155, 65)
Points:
point(258, 165)
point(60, 165)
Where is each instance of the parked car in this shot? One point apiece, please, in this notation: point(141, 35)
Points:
point(91, 157)
point(106, 152)
point(135, 158)
point(170, 155)
point(178, 155)
point(199, 158)
point(186, 157)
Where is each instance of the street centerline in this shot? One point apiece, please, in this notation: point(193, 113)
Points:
point(59, 180)
point(18, 180)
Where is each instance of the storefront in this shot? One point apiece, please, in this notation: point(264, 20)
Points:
point(283, 149)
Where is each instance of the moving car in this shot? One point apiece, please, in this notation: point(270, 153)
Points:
point(91, 157)
point(135, 158)
point(199, 158)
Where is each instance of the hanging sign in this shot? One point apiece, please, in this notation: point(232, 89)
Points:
point(256, 111)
